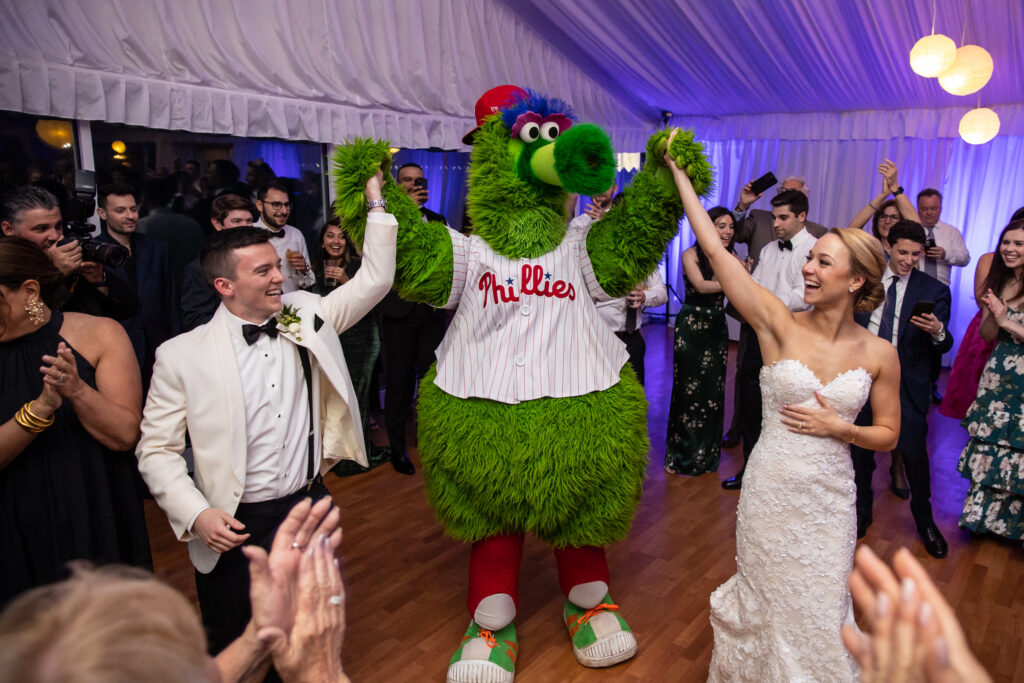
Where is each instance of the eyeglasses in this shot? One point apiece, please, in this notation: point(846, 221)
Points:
point(278, 205)
point(890, 216)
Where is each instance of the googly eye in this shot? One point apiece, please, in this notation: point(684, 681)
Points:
point(530, 132)
point(549, 130)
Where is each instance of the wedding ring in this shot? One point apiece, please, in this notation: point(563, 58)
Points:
point(295, 544)
point(801, 427)
point(63, 376)
point(335, 599)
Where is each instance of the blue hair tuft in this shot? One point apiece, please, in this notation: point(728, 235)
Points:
point(538, 103)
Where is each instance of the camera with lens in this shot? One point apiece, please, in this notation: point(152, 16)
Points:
point(80, 209)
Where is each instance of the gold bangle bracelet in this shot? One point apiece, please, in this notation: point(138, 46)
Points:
point(856, 433)
point(30, 421)
point(42, 420)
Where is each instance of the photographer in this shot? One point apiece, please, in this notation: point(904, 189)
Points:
point(33, 213)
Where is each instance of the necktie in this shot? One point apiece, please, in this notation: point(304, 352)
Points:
point(276, 234)
point(785, 244)
point(888, 312)
point(252, 332)
point(630, 318)
point(931, 267)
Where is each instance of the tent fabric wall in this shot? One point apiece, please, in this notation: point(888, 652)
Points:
point(982, 186)
point(314, 70)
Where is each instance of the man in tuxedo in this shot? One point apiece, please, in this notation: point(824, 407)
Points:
point(754, 227)
point(915, 336)
point(274, 204)
point(410, 332)
point(268, 404)
point(148, 269)
point(779, 271)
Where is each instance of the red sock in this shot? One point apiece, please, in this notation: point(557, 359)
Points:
point(581, 565)
point(494, 568)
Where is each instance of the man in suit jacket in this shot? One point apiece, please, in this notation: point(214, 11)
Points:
point(914, 336)
point(755, 229)
point(410, 333)
point(267, 402)
point(148, 270)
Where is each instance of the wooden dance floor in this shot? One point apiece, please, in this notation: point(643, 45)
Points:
point(406, 581)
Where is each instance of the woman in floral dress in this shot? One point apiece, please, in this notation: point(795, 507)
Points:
point(694, 442)
point(993, 460)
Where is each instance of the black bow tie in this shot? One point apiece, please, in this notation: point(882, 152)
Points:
point(785, 244)
point(276, 234)
point(252, 332)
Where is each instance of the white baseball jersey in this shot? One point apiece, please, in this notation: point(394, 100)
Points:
point(526, 328)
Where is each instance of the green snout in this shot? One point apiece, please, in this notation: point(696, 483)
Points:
point(581, 160)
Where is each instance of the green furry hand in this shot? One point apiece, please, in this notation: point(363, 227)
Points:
point(354, 163)
point(687, 154)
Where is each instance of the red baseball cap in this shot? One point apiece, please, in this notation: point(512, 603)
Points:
point(491, 102)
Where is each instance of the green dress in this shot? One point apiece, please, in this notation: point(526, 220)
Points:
point(694, 442)
point(993, 459)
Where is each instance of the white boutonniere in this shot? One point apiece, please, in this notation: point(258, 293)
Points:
point(288, 320)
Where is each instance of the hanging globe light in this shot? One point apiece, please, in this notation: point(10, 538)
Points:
point(56, 134)
point(118, 147)
point(978, 126)
point(970, 71)
point(932, 55)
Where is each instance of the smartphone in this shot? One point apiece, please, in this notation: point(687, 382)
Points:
point(420, 183)
point(922, 307)
point(929, 243)
point(763, 183)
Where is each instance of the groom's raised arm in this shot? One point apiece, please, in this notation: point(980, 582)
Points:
point(347, 304)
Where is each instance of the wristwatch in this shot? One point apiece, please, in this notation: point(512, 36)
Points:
point(898, 191)
point(374, 203)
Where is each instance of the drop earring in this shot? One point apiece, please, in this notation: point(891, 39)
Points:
point(34, 309)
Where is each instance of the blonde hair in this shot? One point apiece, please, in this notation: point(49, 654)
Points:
point(867, 261)
point(110, 625)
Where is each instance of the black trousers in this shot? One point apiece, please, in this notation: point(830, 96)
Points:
point(408, 345)
point(636, 347)
point(913, 446)
point(748, 386)
point(224, 592)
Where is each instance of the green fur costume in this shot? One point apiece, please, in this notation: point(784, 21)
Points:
point(566, 469)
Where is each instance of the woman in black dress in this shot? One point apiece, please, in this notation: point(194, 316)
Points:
point(70, 411)
point(694, 442)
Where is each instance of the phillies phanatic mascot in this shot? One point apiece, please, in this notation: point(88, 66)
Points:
point(531, 420)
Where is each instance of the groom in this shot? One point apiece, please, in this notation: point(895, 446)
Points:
point(916, 337)
point(266, 398)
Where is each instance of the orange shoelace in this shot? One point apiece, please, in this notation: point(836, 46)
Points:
point(603, 607)
point(488, 638)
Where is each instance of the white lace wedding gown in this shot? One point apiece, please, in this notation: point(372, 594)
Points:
point(779, 617)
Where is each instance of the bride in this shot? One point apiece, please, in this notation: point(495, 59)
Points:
point(779, 617)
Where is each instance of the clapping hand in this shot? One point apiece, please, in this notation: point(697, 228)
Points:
point(914, 633)
point(61, 372)
point(995, 305)
point(889, 174)
point(823, 421)
point(273, 576)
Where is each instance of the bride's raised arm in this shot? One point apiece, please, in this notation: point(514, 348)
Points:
point(759, 307)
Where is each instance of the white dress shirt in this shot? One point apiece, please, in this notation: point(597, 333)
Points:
point(613, 311)
point(779, 270)
point(950, 239)
point(876, 315)
point(294, 241)
point(526, 328)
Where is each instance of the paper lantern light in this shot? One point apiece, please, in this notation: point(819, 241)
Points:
point(978, 126)
point(118, 146)
point(932, 55)
point(971, 70)
point(56, 134)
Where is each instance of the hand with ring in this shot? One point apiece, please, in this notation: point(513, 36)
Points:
point(821, 421)
point(61, 372)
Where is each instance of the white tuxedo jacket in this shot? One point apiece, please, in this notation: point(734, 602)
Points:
point(196, 386)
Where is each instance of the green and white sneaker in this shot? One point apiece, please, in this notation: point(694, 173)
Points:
point(485, 657)
point(600, 637)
